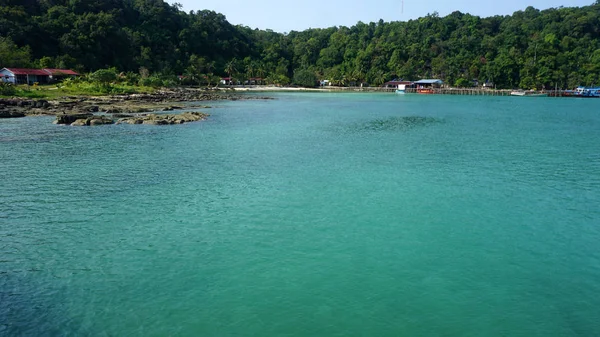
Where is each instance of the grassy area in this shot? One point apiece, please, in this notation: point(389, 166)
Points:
point(76, 89)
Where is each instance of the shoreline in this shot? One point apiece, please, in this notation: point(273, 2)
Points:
point(270, 88)
point(115, 108)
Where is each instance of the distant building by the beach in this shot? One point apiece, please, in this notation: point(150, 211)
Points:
point(31, 76)
point(396, 82)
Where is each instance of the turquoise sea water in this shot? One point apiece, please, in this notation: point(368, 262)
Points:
point(308, 215)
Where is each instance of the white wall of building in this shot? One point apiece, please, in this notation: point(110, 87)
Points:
point(3, 76)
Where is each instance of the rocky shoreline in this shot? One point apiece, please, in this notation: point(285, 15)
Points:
point(89, 119)
point(130, 109)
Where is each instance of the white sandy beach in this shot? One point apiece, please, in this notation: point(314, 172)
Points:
point(323, 89)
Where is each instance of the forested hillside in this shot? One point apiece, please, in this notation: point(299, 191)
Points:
point(529, 49)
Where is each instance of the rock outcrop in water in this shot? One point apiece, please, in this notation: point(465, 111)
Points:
point(94, 120)
point(72, 118)
point(11, 114)
point(169, 119)
point(89, 119)
point(118, 104)
point(83, 119)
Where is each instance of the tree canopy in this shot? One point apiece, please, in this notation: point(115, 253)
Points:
point(529, 49)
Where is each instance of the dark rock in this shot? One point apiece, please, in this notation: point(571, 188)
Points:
point(40, 104)
point(114, 111)
point(10, 102)
point(122, 115)
point(71, 118)
point(154, 119)
point(131, 121)
point(37, 111)
point(93, 120)
point(156, 122)
point(100, 120)
point(11, 114)
point(140, 110)
point(92, 108)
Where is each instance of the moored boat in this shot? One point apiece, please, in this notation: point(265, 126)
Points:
point(401, 89)
point(587, 92)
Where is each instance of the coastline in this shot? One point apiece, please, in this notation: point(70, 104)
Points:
point(275, 89)
point(271, 88)
point(115, 108)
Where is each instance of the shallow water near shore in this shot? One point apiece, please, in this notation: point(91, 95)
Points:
point(310, 215)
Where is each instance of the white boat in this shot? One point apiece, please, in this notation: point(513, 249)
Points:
point(587, 92)
point(401, 89)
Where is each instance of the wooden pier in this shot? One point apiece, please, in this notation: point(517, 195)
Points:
point(466, 91)
point(450, 91)
point(434, 91)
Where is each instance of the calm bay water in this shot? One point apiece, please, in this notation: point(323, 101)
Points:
point(308, 215)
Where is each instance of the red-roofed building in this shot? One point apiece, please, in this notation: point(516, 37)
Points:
point(31, 76)
point(24, 76)
point(395, 83)
point(61, 72)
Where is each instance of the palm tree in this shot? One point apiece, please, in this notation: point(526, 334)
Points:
point(359, 74)
point(250, 69)
point(210, 66)
point(379, 77)
point(259, 70)
point(230, 68)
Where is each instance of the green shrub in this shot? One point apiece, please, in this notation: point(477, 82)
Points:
point(7, 89)
point(158, 80)
point(131, 78)
point(104, 76)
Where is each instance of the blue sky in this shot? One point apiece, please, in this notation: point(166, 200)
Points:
point(287, 15)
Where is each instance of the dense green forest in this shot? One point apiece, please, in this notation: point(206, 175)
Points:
point(530, 49)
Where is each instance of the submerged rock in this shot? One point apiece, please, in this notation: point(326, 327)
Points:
point(398, 123)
